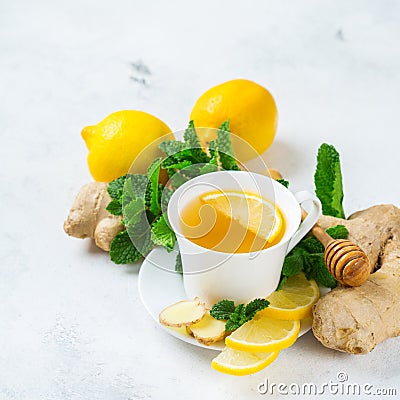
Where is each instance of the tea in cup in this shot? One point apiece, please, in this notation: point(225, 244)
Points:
point(234, 229)
point(232, 221)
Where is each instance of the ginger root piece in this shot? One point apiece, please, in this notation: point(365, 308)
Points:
point(356, 319)
point(88, 217)
point(208, 330)
point(183, 313)
point(270, 172)
point(274, 173)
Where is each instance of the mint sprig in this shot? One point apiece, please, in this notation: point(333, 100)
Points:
point(308, 257)
point(223, 309)
point(143, 201)
point(236, 316)
point(328, 181)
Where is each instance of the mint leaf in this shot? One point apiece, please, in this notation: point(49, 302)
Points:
point(308, 256)
point(128, 199)
point(177, 179)
point(135, 186)
point(223, 309)
point(224, 147)
point(165, 197)
point(311, 245)
point(225, 126)
point(154, 195)
point(212, 149)
point(178, 264)
point(187, 162)
point(283, 182)
point(137, 224)
point(192, 142)
point(182, 155)
point(190, 136)
point(233, 324)
point(207, 168)
point(140, 234)
point(293, 264)
point(186, 157)
point(338, 232)
point(317, 270)
point(114, 207)
point(171, 147)
point(328, 181)
point(254, 306)
point(162, 234)
point(122, 250)
point(190, 150)
point(115, 190)
point(133, 211)
point(116, 187)
point(237, 316)
point(173, 164)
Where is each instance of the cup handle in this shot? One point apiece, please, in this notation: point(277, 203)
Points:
point(309, 221)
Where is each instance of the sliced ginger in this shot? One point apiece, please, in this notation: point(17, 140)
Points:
point(197, 320)
point(183, 313)
point(208, 330)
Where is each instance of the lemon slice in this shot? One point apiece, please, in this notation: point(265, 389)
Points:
point(264, 334)
point(294, 301)
point(252, 212)
point(236, 362)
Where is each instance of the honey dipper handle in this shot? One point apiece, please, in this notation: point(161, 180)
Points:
point(321, 235)
point(317, 231)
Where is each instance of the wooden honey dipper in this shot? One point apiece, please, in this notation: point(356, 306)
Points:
point(344, 259)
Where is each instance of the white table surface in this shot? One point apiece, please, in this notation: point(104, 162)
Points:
point(71, 323)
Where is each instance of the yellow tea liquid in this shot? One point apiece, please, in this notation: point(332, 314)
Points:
point(217, 223)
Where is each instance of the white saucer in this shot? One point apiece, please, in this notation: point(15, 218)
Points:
point(160, 286)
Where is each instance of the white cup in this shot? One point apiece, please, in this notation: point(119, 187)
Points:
point(213, 275)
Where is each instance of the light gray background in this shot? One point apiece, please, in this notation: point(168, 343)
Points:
point(71, 323)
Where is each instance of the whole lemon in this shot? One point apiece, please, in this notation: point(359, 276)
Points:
point(251, 110)
point(116, 141)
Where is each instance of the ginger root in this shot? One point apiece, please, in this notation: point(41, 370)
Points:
point(88, 217)
point(356, 319)
point(273, 173)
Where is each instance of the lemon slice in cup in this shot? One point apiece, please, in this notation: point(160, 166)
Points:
point(252, 212)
